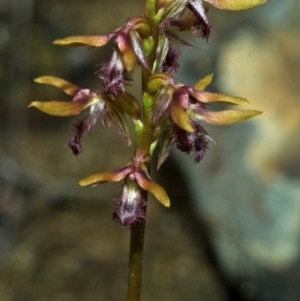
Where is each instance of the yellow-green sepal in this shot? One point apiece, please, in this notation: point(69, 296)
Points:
point(226, 117)
point(109, 176)
point(75, 41)
point(235, 4)
point(62, 84)
point(63, 109)
point(203, 82)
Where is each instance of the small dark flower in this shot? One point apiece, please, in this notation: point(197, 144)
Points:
point(195, 143)
point(130, 204)
point(114, 76)
point(128, 52)
point(112, 109)
point(183, 108)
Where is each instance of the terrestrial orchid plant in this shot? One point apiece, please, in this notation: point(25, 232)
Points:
point(168, 113)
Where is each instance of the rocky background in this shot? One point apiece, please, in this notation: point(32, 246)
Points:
point(232, 232)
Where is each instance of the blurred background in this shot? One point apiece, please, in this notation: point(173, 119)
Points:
point(232, 232)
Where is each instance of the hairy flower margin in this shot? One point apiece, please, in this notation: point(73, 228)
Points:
point(169, 113)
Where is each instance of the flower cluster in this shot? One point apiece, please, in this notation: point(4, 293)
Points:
point(168, 114)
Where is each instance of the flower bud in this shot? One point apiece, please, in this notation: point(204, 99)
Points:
point(161, 51)
point(162, 102)
point(140, 24)
point(158, 81)
point(170, 8)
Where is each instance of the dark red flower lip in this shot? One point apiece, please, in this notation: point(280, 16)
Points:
point(129, 205)
point(197, 8)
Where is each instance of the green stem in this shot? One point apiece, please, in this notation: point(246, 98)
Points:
point(136, 259)
point(142, 148)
